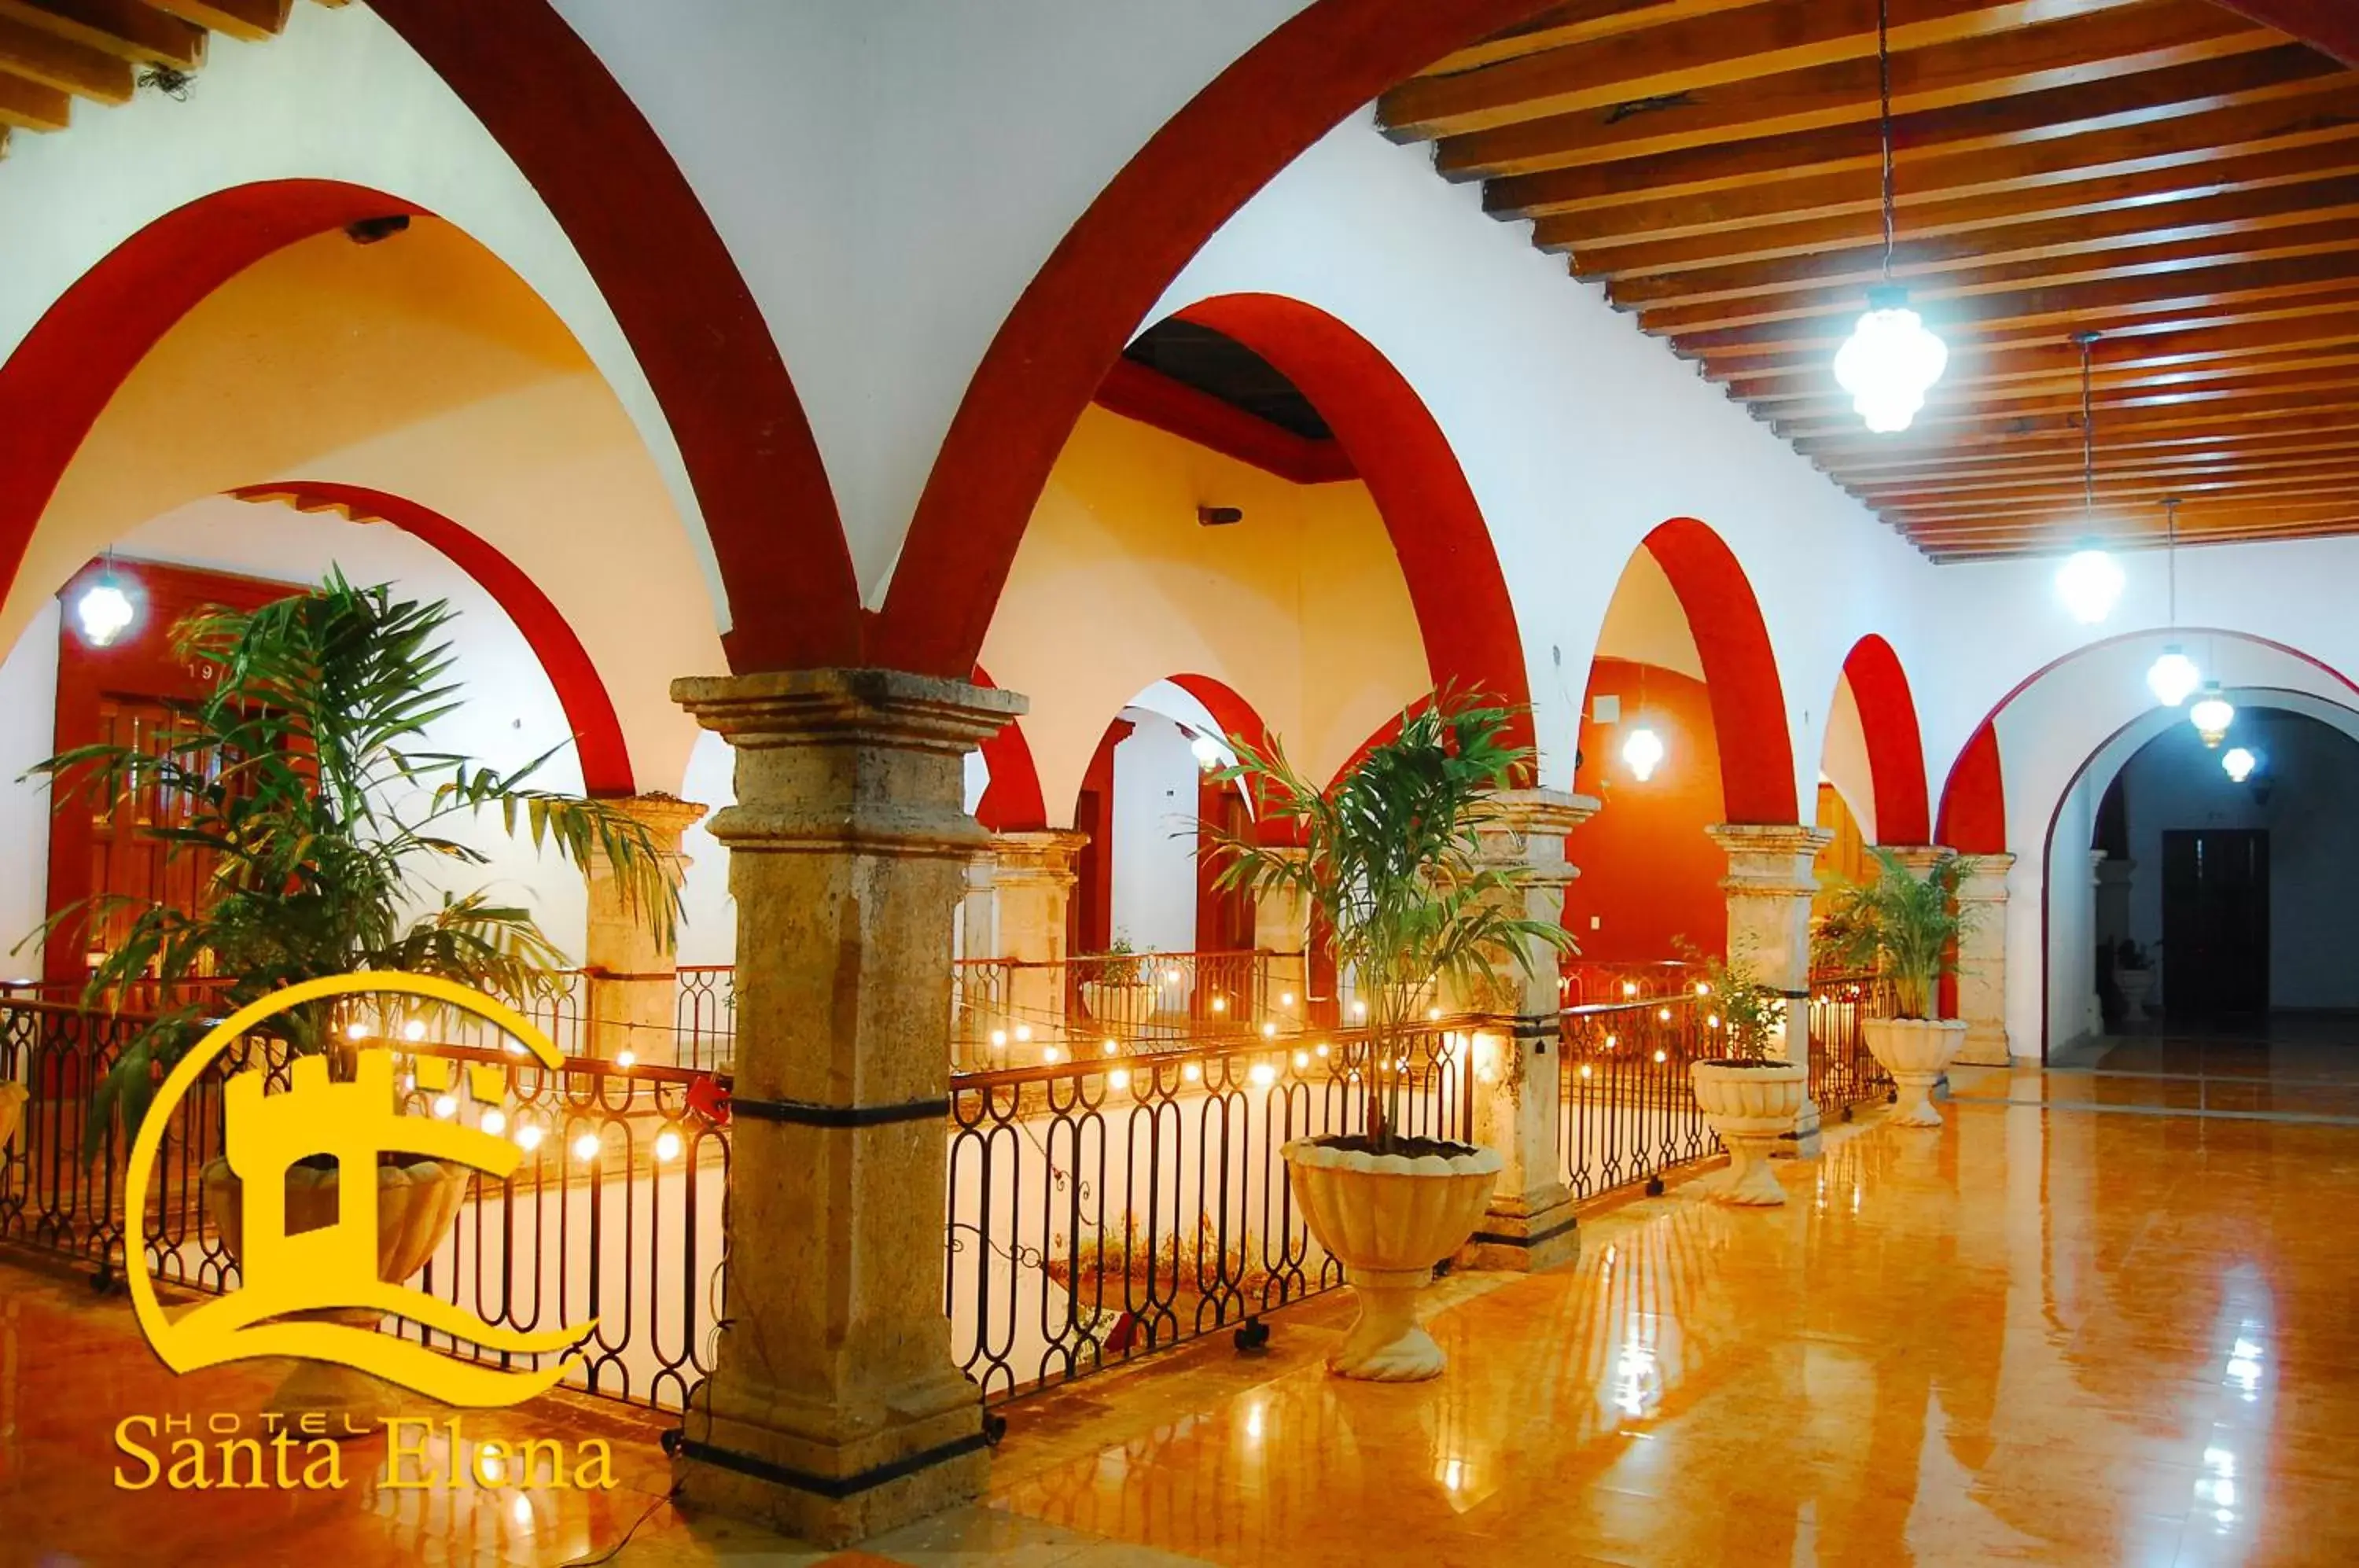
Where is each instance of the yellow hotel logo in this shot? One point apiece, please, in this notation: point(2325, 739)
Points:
point(336, 1265)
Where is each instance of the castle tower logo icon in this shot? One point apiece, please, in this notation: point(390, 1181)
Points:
point(334, 1268)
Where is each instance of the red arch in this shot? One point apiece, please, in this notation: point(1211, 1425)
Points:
point(1237, 717)
point(1011, 801)
point(597, 733)
point(691, 320)
point(1460, 595)
point(1069, 327)
point(1974, 802)
point(1740, 667)
point(1896, 748)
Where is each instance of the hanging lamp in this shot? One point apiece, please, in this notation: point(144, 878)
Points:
point(2239, 764)
point(2212, 714)
point(1642, 748)
point(2173, 677)
point(2090, 579)
point(1891, 359)
point(105, 610)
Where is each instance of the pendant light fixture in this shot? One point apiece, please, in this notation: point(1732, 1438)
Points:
point(2173, 677)
point(1891, 359)
point(1642, 748)
point(2239, 764)
point(2090, 579)
point(104, 611)
point(2212, 714)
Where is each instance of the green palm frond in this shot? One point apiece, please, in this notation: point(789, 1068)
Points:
point(297, 774)
point(1903, 926)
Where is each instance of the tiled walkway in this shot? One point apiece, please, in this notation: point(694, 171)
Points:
point(2043, 1335)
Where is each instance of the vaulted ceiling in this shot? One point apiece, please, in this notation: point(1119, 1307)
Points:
point(54, 51)
point(2165, 173)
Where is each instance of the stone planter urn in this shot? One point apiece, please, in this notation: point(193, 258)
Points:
point(1916, 1051)
point(1388, 1219)
point(2135, 985)
point(1118, 1001)
point(417, 1203)
point(12, 1111)
point(1751, 1103)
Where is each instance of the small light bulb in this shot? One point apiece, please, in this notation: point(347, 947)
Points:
point(1220, 1004)
point(1642, 750)
point(1660, 1057)
point(2173, 678)
point(1584, 1069)
point(1269, 1031)
point(104, 611)
point(1171, 977)
point(529, 1138)
point(1119, 1078)
point(667, 1145)
point(1052, 1055)
point(1301, 1058)
point(2239, 764)
point(1629, 987)
point(445, 1107)
point(1023, 1034)
point(585, 1148)
point(1109, 1048)
point(1323, 1049)
point(1263, 1075)
point(357, 1030)
point(627, 1060)
point(999, 1038)
point(414, 1030)
point(1664, 1014)
point(2090, 583)
point(1191, 1073)
point(1286, 999)
point(1432, 1015)
point(1359, 1009)
point(494, 1122)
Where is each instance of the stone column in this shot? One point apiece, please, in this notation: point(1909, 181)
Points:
point(2113, 900)
point(978, 918)
point(1982, 961)
point(834, 1410)
point(1518, 1070)
point(632, 981)
point(1919, 858)
point(1770, 883)
point(1035, 876)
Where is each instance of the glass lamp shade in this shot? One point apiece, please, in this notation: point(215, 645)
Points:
point(2213, 715)
point(2090, 581)
point(2239, 764)
point(1889, 362)
point(1207, 752)
point(2173, 678)
point(105, 612)
point(1644, 752)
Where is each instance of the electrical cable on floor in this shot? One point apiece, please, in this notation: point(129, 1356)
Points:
point(610, 1554)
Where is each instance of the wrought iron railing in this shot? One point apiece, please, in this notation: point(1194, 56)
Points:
point(616, 1209)
point(1102, 1209)
point(1844, 1071)
point(1586, 982)
point(704, 1016)
point(1629, 1113)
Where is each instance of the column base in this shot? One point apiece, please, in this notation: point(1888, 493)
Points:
point(1518, 1237)
point(1986, 1046)
point(1803, 1142)
point(862, 1490)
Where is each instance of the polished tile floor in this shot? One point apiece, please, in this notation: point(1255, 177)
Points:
point(2086, 1323)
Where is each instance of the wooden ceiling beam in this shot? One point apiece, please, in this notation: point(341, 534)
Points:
point(1833, 450)
point(2112, 305)
point(2281, 394)
point(45, 57)
point(2218, 225)
point(2110, 384)
point(2156, 270)
point(128, 29)
point(1741, 47)
point(2322, 115)
point(251, 20)
point(2216, 518)
point(2075, 50)
point(30, 106)
point(2015, 478)
point(2115, 202)
point(2121, 117)
point(2299, 435)
point(1561, 26)
point(2335, 488)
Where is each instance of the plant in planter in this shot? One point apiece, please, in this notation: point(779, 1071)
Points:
point(1389, 855)
point(294, 785)
point(1751, 1094)
point(1907, 927)
point(1113, 983)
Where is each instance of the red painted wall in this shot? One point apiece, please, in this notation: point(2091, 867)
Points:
point(1648, 871)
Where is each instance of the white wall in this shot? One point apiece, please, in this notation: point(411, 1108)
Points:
point(2313, 820)
point(1154, 837)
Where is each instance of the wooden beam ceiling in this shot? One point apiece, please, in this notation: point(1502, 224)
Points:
point(2166, 173)
point(55, 51)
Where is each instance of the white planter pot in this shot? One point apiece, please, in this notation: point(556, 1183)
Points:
point(2135, 985)
point(1916, 1051)
point(416, 1205)
point(12, 1111)
point(1388, 1219)
point(1118, 1003)
point(1751, 1105)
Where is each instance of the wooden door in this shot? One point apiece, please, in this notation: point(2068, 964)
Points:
point(2215, 921)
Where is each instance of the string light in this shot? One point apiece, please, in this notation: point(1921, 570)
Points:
point(445, 1107)
point(1890, 360)
point(495, 1122)
point(414, 1030)
point(667, 1145)
point(529, 1138)
point(585, 1148)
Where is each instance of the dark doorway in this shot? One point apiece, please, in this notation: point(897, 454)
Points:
point(2215, 921)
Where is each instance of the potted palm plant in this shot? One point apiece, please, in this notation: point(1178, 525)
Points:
point(297, 787)
point(1389, 855)
point(1751, 1094)
point(1907, 927)
point(1113, 983)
